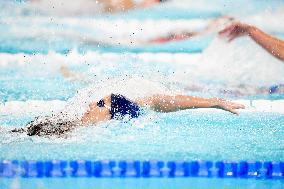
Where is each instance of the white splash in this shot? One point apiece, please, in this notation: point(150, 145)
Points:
point(241, 62)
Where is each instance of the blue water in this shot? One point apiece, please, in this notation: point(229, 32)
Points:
point(182, 135)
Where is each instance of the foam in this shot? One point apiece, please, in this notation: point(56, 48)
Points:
point(188, 68)
point(241, 70)
point(270, 21)
point(75, 58)
point(241, 62)
point(30, 107)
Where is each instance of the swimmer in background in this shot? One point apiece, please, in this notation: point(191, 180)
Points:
point(116, 106)
point(212, 26)
point(271, 44)
point(125, 5)
point(90, 7)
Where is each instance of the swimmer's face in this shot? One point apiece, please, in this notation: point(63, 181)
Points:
point(97, 113)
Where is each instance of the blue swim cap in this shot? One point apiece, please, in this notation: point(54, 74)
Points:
point(120, 107)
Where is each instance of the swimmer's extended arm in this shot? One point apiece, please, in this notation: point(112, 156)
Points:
point(271, 44)
point(164, 103)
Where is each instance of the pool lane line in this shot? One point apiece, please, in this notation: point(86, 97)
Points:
point(145, 169)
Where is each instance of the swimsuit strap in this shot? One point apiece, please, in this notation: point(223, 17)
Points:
point(120, 107)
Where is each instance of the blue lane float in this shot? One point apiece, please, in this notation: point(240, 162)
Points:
point(146, 169)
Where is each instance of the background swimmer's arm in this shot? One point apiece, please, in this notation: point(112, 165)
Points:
point(164, 103)
point(271, 44)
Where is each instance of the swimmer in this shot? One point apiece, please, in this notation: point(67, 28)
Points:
point(184, 35)
point(117, 106)
point(271, 44)
point(89, 7)
point(238, 90)
point(244, 90)
point(125, 5)
point(212, 27)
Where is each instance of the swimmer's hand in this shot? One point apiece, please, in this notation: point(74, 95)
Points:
point(227, 105)
point(235, 30)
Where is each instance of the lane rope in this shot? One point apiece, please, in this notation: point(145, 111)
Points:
point(146, 169)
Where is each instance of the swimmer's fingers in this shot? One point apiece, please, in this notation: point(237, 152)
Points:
point(233, 111)
point(233, 105)
point(234, 34)
point(229, 30)
point(231, 38)
point(226, 30)
point(231, 33)
point(236, 105)
point(230, 109)
point(230, 106)
point(235, 30)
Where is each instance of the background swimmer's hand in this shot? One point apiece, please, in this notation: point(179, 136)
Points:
point(235, 30)
point(271, 44)
point(227, 105)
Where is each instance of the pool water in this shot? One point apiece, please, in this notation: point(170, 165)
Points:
point(182, 183)
point(187, 135)
point(109, 54)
